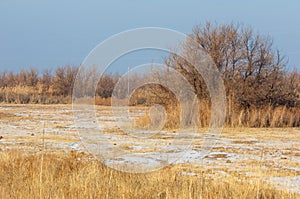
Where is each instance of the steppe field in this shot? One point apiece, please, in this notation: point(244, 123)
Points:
point(42, 156)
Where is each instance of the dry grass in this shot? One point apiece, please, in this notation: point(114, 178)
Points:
point(11, 116)
point(103, 101)
point(77, 175)
point(4, 115)
point(254, 118)
point(266, 116)
point(30, 95)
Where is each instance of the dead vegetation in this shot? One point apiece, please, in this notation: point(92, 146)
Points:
point(76, 175)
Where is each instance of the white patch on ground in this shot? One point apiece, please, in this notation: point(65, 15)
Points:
point(290, 183)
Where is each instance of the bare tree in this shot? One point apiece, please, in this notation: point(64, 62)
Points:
point(32, 77)
point(10, 80)
point(64, 80)
point(253, 72)
point(3, 82)
point(46, 81)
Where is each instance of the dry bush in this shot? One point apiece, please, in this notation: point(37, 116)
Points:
point(268, 116)
point(165, 118)
point(102, 101)
point(30, 95)
point(154, 94)
point(76, 175)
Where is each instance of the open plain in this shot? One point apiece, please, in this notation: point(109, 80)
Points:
point(268, 155)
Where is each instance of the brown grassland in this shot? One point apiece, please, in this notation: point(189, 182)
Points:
point(43, 171)
point(77, 175)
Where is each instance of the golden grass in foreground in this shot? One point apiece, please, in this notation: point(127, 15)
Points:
point(73, 175)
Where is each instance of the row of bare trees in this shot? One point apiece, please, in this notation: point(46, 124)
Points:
point(59, 83)
point(29, 86)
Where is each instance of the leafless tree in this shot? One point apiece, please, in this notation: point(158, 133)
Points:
point(64, 80)
point(32, 77)
point(46, 81)
point(253, 71)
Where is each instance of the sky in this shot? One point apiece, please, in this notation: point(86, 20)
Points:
point(48, 34)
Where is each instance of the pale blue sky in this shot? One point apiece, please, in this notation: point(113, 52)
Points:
point(47, 34)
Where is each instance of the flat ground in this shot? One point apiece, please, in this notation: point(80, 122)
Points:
point(269, 154)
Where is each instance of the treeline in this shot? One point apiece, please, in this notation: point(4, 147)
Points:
point(31, 86)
